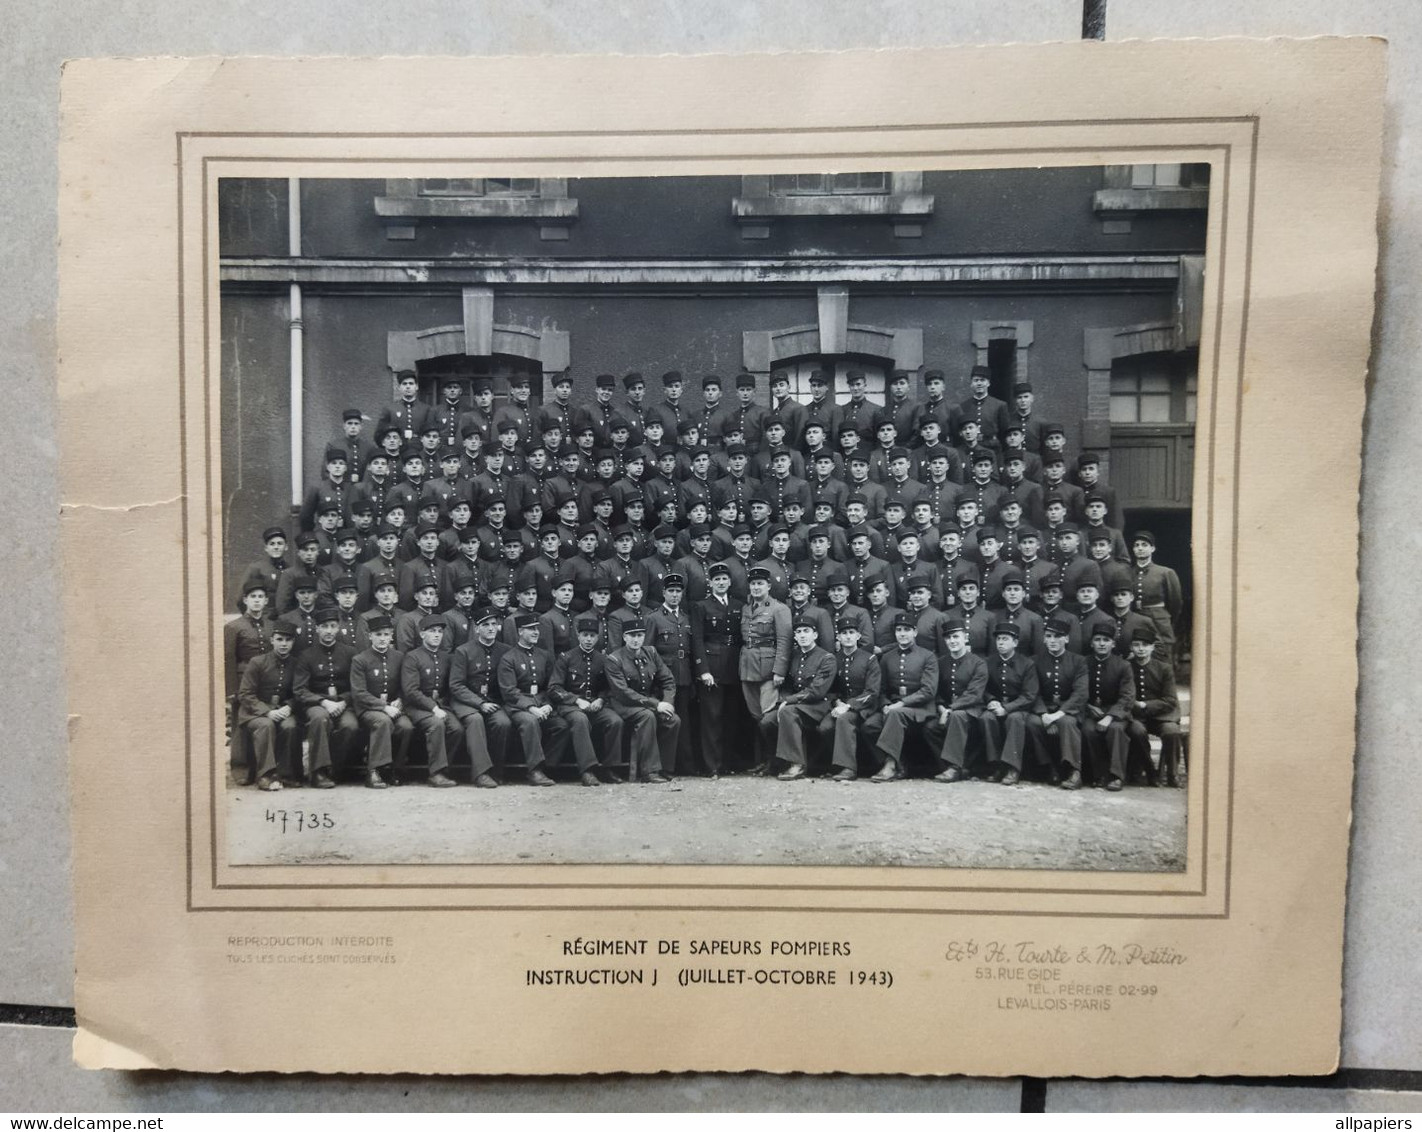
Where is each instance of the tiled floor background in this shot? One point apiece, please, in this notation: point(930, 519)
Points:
point(1383, 996)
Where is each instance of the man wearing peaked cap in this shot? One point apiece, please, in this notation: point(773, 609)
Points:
point(962, 684)
point(322, 686)
point(716, 649)
point(376, 696)
point(854, 698)
point(670, 410)
point(266, 712)
point(1156, 712)
point(642, 691)
point(523, 674)
point(803, 700)
point(669, 633)
point(708, 416)
point(902, 407)
point(358, 449)
point(786, 409)
point(334, 490)
point(474, 696)
point(765, 653)
point(1011, 695)
point(979, 406)
point(908, 680)
point(821, 408)
point(1158, 593)
point(248, 636)
point(1110, 699)
point(1055, 719)
point(581, 713)
point(307, 565)
point(424, 690)
point(744, 416)
point(1019, 414)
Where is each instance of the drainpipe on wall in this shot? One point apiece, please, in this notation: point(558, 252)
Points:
point(293, 240)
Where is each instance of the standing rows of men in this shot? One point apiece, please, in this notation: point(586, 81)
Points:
point(684, 584)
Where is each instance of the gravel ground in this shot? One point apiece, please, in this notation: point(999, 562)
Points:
point(735, 820)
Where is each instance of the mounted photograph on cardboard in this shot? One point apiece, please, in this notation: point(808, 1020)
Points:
point(695, 571)
point(845, 516)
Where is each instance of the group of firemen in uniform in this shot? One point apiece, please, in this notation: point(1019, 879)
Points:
point(708, 588)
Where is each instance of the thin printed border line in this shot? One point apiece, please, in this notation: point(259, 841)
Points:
point(1226, 150)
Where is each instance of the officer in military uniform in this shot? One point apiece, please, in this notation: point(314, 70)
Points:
point(266, 710)
point(473, 692)
point(580, 692)
point(669, 632)
point(909, 681)
point(375, 688)
point(524, 673)
point(854, 699)
point(765, 652)
point(424, 689)
point(962, 688)
point(803, 701)
point(716, 651)
point(642, 692)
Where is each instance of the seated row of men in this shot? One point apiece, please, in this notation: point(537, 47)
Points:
point(728, 668)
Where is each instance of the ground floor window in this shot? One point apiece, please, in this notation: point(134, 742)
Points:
point(800, 369)
point(1153, 389)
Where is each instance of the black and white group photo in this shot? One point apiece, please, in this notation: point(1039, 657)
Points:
point(786, 518)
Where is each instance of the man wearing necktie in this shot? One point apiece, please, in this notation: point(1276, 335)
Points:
point(765, 653)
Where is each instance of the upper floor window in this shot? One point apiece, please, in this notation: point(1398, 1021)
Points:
point(479, 186)
point(409, 202)
point(829, 183)
point(897, 198)
point(1178, 176)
